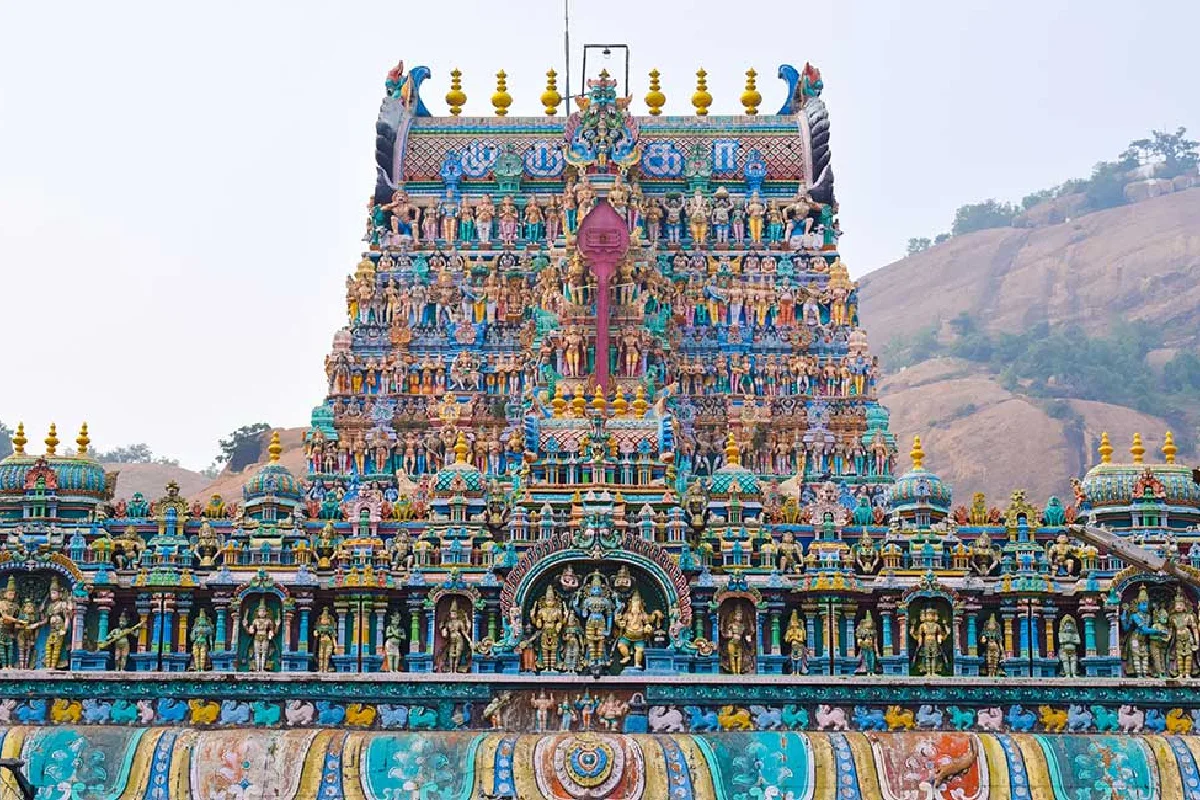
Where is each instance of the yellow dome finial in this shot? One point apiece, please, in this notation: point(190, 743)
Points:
point(1169, 449)
point(1136, 449)
point(19, 440)
point(501, 99)
point(639, 402)
point(559, 403)
point(82, 441)
point(578, 403)
point(455, 97)
point(52, 440)
point(1105, 449)
point(551, 98)
point(599, 403)
point(274, 448)
point(461, 449)
point(751, 97)
point(620, 404)
point(701, 99)
point(655, 99)
point(733, 455)
point(917, 454)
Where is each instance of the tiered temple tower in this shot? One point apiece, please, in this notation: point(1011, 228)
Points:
point(601, 456)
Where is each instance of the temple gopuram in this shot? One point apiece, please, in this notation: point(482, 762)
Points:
point(601, 503)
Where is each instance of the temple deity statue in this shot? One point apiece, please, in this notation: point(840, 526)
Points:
point(736, 633)
point(930, 635)
point(457, 642)
point(992, 645)
point(9, 607)
point(325, 632)
point(755, 211)
point(635, 625)
point(1068, 646)
point(202, 640)
point(549, 618)
point(262, 627)
point(868, 645)
point(796, 638)
point(698, 212)
point(393, 640)
point(595, 607)
point(29, 620)
point(1140, 634)
point(118, 639)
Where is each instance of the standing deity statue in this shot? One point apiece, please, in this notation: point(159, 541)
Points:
point(29, 619)
point(393, 639)
point(1159, 641)
point(202, 639)
point(59, 611)
point(868, 646)
point(755, 211)
point(736, 633)
point(930, 634)
point(119, 639)
point(635, 626)
point(9, 607)
point(596, 609)
point(796, 638)
point(326, 633)
point(549, 618)
point(1068, 646)
point(1140, 633)
point(697, 209)
point(456, 640)
point(993, 648)
point(262, 627)
point(1185, 636)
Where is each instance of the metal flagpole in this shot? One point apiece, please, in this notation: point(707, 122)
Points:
point(567, 53)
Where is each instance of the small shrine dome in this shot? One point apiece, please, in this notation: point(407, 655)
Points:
point(733, 476)
point(273, 479)
point(920, 496)
point(78, 475)
point(1108, 484)
point(460, 475)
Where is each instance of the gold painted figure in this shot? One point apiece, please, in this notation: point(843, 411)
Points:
point(635, 626)
point(737, 640)
point(262, 627)
point(119, 639)
point(202, 639)
point(549, 618)
point(326, 633)
point(930, 634)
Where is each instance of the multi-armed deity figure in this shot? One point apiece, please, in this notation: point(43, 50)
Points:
point(325, 632)
point(736, 633)
point(1144, 640)
point(635, 625)
point(930, 634)
point(456, 640)
point(596, 608)
point(262, 627)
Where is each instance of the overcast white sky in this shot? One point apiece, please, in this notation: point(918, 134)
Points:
point(182, 184)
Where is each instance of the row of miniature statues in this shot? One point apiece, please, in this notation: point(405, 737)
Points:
point(27, 618)
point(717, 217)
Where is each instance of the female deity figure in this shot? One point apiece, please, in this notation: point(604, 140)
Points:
point(597, 611)
point(456, 640)
point(119, 639)
point(56, 637)
point(570, 207)
point(654, 217)
point(466, 221)
point(533, 219)
point(1185, 636)
point(774, 221)
point(393, 638)
point(796, 638)
point(202, 639)
point(993, 648)
point(868, 646)
point(930, 635)
point(1068, 646)
point(28, 622)
point(737, 220)
point(755, 211)
point(553, 216)
point(508, 220)
point(485, 212)
point(326, 633)
point(636, 625)
point(429, 223)
point(737, 639)
point(674, 216)
point(449, 211)
point(262, 627)
point(549, 617)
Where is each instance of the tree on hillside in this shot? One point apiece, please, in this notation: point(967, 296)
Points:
point(1170, 154)
point(917, 245)
point(6, 447)
point(1182, 373)
point(981, 216)
point(139, 453)
point(243, 447)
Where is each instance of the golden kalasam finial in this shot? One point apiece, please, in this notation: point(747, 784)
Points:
point(599, 403)
point(52, 440)
point(639, 402)
point(917, 454)
point(655, 99)
point(701, 99)
point(460, 448)
point(82, 441)
point(1169, 449)
point(559, 403)
point(1136, 449)
point(501, 100)
point(578, 403)
point(455, 98)
point(620, 405)
point(751, 97)
point(733, 455)
point(1105, 449)
point(551, 98)
point(19, 440)
point(274, 448)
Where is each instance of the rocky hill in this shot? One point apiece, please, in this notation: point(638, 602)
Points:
point(151, 480)
point(1134, 263)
